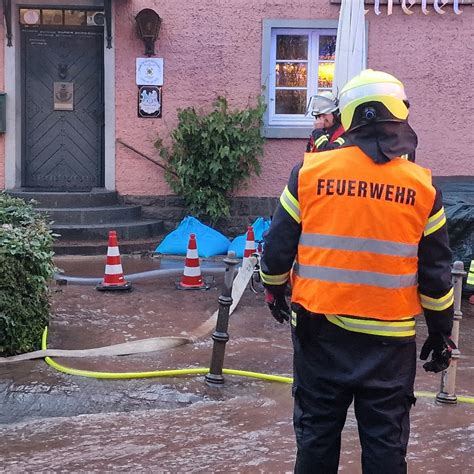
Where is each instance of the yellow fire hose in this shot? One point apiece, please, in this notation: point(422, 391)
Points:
point(188, 371)
point(155, 344)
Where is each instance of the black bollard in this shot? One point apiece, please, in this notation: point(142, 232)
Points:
point(220, 335)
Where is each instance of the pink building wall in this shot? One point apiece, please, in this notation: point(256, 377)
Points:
point(209, 48)
point(215, 47)
point(433, 55)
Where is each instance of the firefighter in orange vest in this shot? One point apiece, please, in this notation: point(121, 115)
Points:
point(361, 233)
point(328, 130)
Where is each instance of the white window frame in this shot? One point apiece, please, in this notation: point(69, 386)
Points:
point(279, 125)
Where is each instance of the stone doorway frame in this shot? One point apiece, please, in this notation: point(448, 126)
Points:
point(13, 149)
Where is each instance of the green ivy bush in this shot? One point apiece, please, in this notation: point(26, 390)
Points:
point(213, 154)
point(26, 265)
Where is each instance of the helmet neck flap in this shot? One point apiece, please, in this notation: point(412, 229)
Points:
point(383, 141)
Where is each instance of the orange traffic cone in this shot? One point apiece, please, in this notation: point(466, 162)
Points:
point(113, 277)
point(249, 243)
point(192, 279)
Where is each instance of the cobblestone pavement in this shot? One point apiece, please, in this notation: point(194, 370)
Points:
point(57, 422)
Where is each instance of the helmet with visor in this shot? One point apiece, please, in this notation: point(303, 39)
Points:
point(323, 103)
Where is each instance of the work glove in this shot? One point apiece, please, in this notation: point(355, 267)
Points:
point(442, 347)
point(278, 306)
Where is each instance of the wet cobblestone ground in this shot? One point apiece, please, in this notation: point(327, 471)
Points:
point(62, 423)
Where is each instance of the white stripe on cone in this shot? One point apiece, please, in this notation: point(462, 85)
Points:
point(113, 252)
point(192, 253)
point(192, 271)
point(113, 269)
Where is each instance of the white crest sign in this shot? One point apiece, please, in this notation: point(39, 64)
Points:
point(149, 71)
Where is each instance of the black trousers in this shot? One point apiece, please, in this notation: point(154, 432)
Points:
point(332, 368)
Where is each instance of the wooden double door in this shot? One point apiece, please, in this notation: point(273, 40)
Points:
point(62, 108)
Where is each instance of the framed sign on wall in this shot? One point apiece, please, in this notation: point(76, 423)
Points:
point(149, 71)
point(149, 101)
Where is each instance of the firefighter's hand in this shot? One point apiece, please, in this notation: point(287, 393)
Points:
point(319, 123)
point(441, 347)
point(278, 306)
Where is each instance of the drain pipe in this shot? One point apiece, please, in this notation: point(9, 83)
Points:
point(151, 274)
point(447, 393)
point(220, 335)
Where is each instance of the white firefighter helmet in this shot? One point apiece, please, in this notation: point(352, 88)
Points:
point(372, 96)
point(323, 103)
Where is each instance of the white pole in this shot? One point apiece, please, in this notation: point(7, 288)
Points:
point(447, 393)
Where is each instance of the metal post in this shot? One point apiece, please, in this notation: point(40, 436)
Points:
point(447, 393)
point(220, 335)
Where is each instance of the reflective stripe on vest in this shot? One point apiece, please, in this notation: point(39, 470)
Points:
point(274, 279)
point(359, 244)
point(361, 225)
point(294, 319)
point(321, 141)
point(402, 328)
point(360, 277)
point(435, 222)
point(290, 204)
point(470, 275)
point(438, 304)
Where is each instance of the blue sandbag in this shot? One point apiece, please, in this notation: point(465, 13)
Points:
point(259, 227)
point(209, 241)
point(238, 245)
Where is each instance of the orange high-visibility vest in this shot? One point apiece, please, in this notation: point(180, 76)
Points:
point(361, 225)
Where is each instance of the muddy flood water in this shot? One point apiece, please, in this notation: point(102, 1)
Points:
point(55, 422)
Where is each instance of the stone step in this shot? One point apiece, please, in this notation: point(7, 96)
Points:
point(129, 230)
point(74, 199)
point(83, 221)
point(91, 215)
point(99, 247)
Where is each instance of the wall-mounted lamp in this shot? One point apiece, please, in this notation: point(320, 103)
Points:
point(148, 23)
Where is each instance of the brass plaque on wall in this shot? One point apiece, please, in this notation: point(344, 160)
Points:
point(63, 96)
